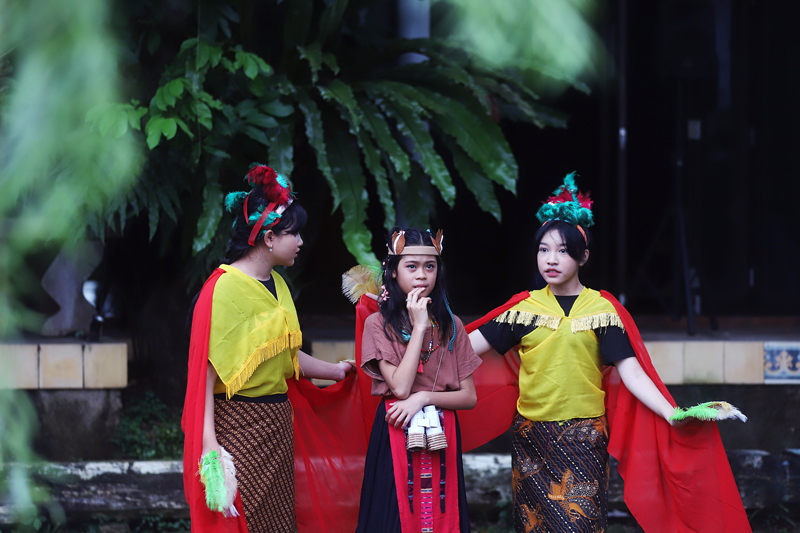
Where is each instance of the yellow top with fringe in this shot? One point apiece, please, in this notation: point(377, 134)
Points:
point(254, 338)
point(560, 374)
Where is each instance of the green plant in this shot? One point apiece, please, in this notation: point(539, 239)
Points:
point(147, 430)
point(317, 82)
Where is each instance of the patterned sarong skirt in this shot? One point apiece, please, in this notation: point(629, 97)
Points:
point(258, 434)
point(560, 475)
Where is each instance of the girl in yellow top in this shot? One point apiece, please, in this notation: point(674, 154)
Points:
point(245, 325)
point(565, 333)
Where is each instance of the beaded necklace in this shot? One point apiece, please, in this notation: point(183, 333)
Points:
point(425, 354)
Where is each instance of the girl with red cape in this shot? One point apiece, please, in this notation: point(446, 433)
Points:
point(244, 352)
point(587, 389)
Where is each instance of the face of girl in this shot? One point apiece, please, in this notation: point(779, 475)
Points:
point(285, 248)
point(417, 271)
point(556, 266)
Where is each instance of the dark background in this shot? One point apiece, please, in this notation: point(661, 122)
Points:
point(732, 64)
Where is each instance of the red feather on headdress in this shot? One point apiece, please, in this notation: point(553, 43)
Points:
point(260, 175)
point(564, 196)
point(584, 200)
point(276, 188)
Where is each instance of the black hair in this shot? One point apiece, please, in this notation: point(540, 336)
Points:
point(292, 221)
point(573, 239)
point(393, 308)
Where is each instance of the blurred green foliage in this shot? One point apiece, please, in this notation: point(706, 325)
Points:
point(57, 61)
point(555, 38)
point(55, 173)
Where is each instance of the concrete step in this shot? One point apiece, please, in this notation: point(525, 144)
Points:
point(132, 489)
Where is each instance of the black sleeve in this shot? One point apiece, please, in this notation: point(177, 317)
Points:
point(504, 336)
point(614, 344)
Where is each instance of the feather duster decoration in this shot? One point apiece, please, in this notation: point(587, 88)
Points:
point(568, 204)
point(218, 475)
point(360, 280)
point(709, 411)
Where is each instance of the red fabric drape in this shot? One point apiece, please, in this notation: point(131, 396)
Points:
point(676, 479)
point(203, 519)
point(331, 433)
point(497, 386)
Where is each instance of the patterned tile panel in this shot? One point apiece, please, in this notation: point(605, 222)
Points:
point(782, 363)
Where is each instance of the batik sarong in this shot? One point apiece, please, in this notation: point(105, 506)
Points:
point(560, 475)
point(258, 434)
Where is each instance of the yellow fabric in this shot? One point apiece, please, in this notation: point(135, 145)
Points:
point(560, 377)
point(254, 338)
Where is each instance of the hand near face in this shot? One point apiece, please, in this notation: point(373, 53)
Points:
point(417, 306)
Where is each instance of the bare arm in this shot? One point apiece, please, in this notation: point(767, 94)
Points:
point(641, 386)
point(401, 378)
point(400, 413)
point(479, 342)
point(209, 433)
point(311, 367)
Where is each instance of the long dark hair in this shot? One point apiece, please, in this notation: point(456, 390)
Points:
point(573, 239)
point(393, 308)
point(293, 220)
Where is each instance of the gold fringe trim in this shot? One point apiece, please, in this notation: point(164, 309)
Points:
point(268, 350)
point(584, 323)
point(513, 316)
point(600, 320)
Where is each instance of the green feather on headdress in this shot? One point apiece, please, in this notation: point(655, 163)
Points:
point(567, 204)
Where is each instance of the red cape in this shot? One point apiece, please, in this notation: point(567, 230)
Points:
point(203, 519)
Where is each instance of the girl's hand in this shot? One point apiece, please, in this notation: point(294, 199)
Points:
point(343, 368)
point(401, 411)
point(417, 308)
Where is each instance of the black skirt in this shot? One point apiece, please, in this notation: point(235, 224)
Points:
point(379, 511)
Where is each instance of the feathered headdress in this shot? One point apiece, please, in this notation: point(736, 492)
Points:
point(567, 204)
point(277, 191)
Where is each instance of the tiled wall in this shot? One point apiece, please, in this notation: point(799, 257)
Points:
point(683, 362)
point(64, 366)
point(782, 362)
point(708, 361)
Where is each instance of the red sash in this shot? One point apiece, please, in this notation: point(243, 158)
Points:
point(425, 486)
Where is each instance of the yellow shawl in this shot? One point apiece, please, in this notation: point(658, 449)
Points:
point(254, 338)
point(560, 374)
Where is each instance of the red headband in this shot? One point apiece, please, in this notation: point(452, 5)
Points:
point(260, 222)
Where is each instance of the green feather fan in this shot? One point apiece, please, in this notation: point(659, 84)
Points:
point(709, 411)
point(218, 475)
